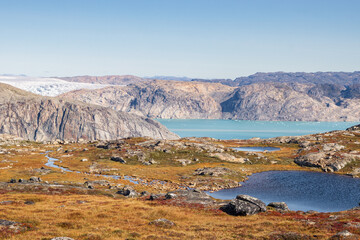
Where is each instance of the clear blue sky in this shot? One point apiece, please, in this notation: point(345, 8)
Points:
point(194, 38)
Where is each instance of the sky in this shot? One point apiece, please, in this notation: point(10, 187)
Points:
point(193, 38)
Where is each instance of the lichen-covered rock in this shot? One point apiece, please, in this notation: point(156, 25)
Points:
point(10, 226)
point(190, 196)
point(215, 171)
point(327, 161)
point(162, 222)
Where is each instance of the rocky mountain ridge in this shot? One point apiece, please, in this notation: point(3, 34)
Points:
point(34, 117)
point(337, 78)
point(258, 101)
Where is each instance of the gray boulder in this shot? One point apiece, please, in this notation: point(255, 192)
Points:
point(128, 191)
point(282, 206)
point(244, 205)
point(190, 196)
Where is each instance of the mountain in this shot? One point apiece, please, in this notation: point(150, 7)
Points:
point(258, 101)
point(338, 78)
point(184, 79)
point(39, 118)
point(159, 99)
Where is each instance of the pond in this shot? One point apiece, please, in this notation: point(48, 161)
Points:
point(256, 149)
point(301, 190)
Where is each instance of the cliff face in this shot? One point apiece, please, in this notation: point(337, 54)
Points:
point(289, 102)
point(40, 118)
point(260, 101)
point(160, 99)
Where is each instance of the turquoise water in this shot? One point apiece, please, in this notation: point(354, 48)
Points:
point(241, 129)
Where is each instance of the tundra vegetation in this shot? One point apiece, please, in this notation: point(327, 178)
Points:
point(137, 188)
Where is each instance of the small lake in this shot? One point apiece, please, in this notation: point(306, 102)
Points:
point(301, 190)
point(241, 129)
point(256, 149)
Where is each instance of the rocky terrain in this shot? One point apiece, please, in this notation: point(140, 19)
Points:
point(258, 101)
point(34, 117)
point(142, 188)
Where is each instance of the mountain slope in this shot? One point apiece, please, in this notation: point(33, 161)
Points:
point(40, 118)
point(159, 99)
point(260, 101)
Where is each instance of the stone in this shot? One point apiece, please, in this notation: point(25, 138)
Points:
point(162, 222)
point(345, 235)
point(190, 196)
point(228, 157)
point(216, 171)
point(10, 226)
point(327, 147)
point(282, 206)
point(128, 191)
point(117, 159)
point(184, 162)
point(244, 205)
point(35, 179)
point(156, 197)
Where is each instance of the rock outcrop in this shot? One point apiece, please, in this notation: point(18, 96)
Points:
point(34, 117)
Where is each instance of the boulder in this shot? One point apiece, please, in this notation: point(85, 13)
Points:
point(117, 159)
point(345, 235)
point(35, 179)
point(184, 162)
point(228, 157)
point(216, 171)
point(327, 161)
point(162, 222)
point(10, 226)
point(328, 147)
point(244, 205)
point(282, 206)
point(190, 196)
point(128, 191)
